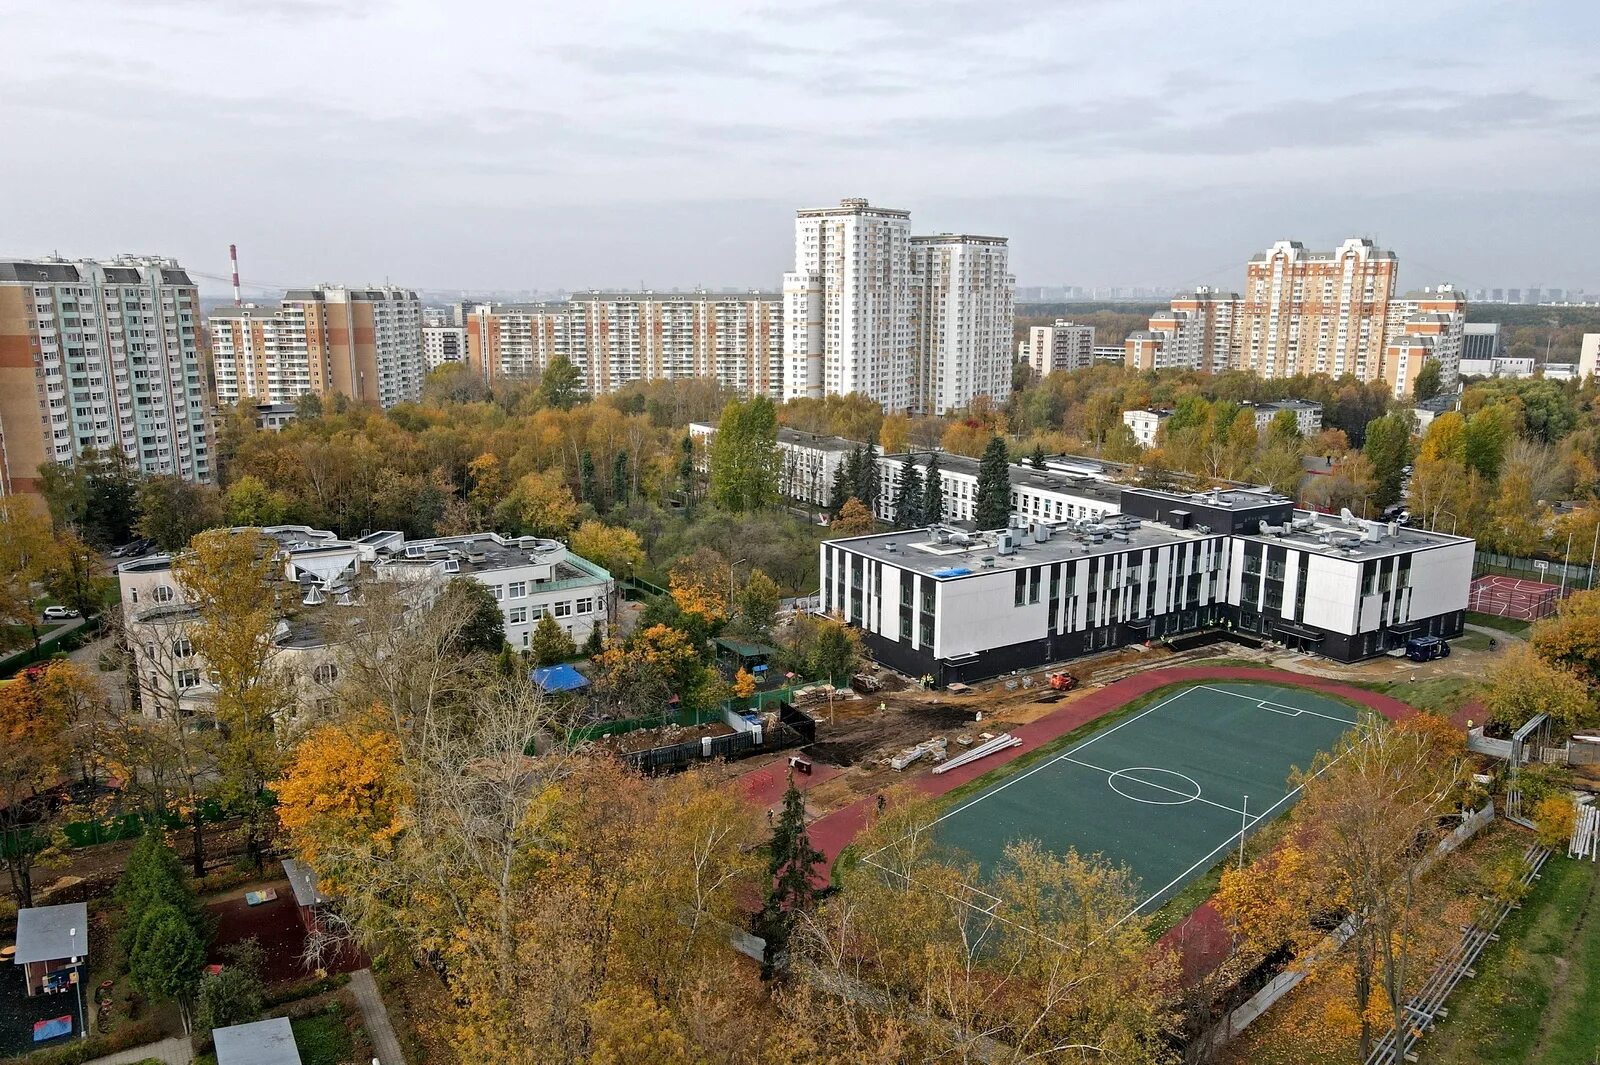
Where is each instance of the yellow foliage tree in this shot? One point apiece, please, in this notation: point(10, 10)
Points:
point(744, 684)
point(854, 519)
point(343, 798)
point(1554, 819)
point(617, 549)
point(539, 505)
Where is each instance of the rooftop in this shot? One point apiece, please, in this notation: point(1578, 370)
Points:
point(1439, 404)
point(1091, 485)
point(303, 882)
point(269, 1042)
point(944, 553)
point(1353, 538)
point(800, 438)
point(43, 932)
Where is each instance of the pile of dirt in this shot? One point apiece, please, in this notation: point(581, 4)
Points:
point(865, 737)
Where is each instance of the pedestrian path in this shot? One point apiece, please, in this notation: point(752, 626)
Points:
point(174, 1051)
point(376, 1016)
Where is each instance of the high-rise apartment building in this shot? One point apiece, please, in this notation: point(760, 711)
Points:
point(915, 323)
point(262, 353)
point(1432, 325)
point(444, 340)
point(847, 305)
point(1306, 312)
point(368, 341)
point(1065, 346)
point(1195, 334)
point(962, 321)
point(615, 338)
point(102, 355)
point(1330, 313)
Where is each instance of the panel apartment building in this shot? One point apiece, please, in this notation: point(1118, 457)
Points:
point(102, 355)
point(616, 338)
point(918, 324)
point(967, 606)
point(1065, 346)
point(362, 343)
point(1310, 312)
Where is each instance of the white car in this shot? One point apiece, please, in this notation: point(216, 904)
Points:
point(59, 613)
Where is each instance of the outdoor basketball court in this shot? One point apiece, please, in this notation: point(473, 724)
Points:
point(1513, 597)
point(1166, 792)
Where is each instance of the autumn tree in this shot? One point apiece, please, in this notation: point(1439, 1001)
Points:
point(171, 510)
point(33, 754)
point(701, 583)
point(1061, 963)
point(756, 606)
point(74, 574)
point(26, 546)
point(854, 519)
point(1522, 685)
point(1388, 448)
point(483, 626)
point(894, 436)
point(248, 501)
point(616, 549)
point(538, 505)
point(231, 579)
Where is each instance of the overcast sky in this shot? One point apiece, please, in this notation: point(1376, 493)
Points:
point(527, 144)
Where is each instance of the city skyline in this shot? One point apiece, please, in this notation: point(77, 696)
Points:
point(578, 152)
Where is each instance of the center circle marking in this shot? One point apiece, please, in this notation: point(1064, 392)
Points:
point(1182, 789)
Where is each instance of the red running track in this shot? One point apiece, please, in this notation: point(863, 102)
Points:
point(1200, 938)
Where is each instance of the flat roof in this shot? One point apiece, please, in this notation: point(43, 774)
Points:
point(801, 438)
point(43, 932)
point(973, 554)
point(1327, 534)
point(1025, 476)
point(1237, 499)
point(269, 1042)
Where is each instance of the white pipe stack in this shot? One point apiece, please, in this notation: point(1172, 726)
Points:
point(982, 750)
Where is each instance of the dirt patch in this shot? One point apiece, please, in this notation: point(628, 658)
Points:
point(276, 927)
point(863, 737)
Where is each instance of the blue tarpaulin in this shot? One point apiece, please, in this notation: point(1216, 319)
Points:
point(559, 679)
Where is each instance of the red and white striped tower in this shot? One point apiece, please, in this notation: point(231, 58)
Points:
point(233, 257)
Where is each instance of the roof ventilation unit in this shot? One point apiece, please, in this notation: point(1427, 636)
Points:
point(1005, 542)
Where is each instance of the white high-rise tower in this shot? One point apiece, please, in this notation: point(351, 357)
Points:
point(847, 305)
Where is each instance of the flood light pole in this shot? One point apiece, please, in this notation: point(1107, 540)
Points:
point(1244, 823)
point(77, 961)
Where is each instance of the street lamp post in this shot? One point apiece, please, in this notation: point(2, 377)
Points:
point(731, 565)
point(77, 962)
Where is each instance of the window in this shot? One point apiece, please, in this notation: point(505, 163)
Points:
point(516, 589)
point(563, 609)
point(163, 594)
point(585, 606)
point(517, 615)
point(187, 678)
point(499, 591)
point(182, 648)
point(325, 674)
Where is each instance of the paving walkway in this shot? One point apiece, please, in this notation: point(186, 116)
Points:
point(376, 1016)
point(174, 1051)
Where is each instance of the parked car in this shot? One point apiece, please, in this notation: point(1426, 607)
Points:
point(1426, 648)
point(134, 549)
point(60, 613)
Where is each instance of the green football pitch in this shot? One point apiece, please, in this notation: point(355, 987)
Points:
point(1167, 792)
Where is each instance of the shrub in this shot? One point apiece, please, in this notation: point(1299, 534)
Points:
point(124, 1038)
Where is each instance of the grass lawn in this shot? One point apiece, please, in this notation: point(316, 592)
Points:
point(1495, 621)
point(1442, 695)
point(1471, 641)
point(323, 1039)
point(1533, 998)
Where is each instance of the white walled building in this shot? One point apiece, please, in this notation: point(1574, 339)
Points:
point(1307, 415)
point(1589, 356)
point(808, 462)
point(847, 305)
point(1146, 423)
point(322, 577)
point(1045, 495)
point(963, 320)
point(966, 606)
point(1064, 347)
point(260, 353)
point(102, 355)
point(443, 342)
